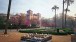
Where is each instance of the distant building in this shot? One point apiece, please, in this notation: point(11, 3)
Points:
point(33, 18)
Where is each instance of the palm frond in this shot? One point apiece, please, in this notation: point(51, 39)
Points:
point(67, 9)
point(55, 7)
point(68, 2)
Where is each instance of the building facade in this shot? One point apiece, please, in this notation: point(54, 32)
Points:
point(33, 19)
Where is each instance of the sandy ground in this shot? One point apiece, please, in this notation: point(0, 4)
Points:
point(60, 38)
point(15, 37)
point(10, 37)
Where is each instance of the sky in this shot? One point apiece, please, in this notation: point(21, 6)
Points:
point(37, 6)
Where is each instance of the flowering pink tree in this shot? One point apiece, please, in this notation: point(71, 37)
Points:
point(27, 22)
point(14, 20)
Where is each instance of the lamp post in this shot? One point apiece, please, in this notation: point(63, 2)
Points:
point(8, 14)
point(11, 26)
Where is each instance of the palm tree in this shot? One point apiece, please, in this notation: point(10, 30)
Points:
point(68, 2)
point(66, 15)
point(55, 8)
point(63, 16)
point(8, 14)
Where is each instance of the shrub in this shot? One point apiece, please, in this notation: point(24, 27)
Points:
point(44, 31)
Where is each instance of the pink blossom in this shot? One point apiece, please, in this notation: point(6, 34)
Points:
point(27, 22)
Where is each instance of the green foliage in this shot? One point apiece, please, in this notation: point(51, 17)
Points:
point(44, 31)
point(33, 25)
point(2, 23)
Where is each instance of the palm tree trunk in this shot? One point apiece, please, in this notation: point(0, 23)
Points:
point(63, 16)
point(8, 13)
point(66, 13)
point(55, 18)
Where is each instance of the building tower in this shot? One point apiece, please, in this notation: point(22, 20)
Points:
point(29, 15)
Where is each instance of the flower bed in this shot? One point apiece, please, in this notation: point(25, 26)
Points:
point(36, 38)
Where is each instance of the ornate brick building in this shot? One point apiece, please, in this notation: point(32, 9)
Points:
point(33, 18)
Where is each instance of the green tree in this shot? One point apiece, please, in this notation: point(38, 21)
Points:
point(1, 22)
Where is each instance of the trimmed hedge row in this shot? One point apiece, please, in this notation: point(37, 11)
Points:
point(43, 31)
